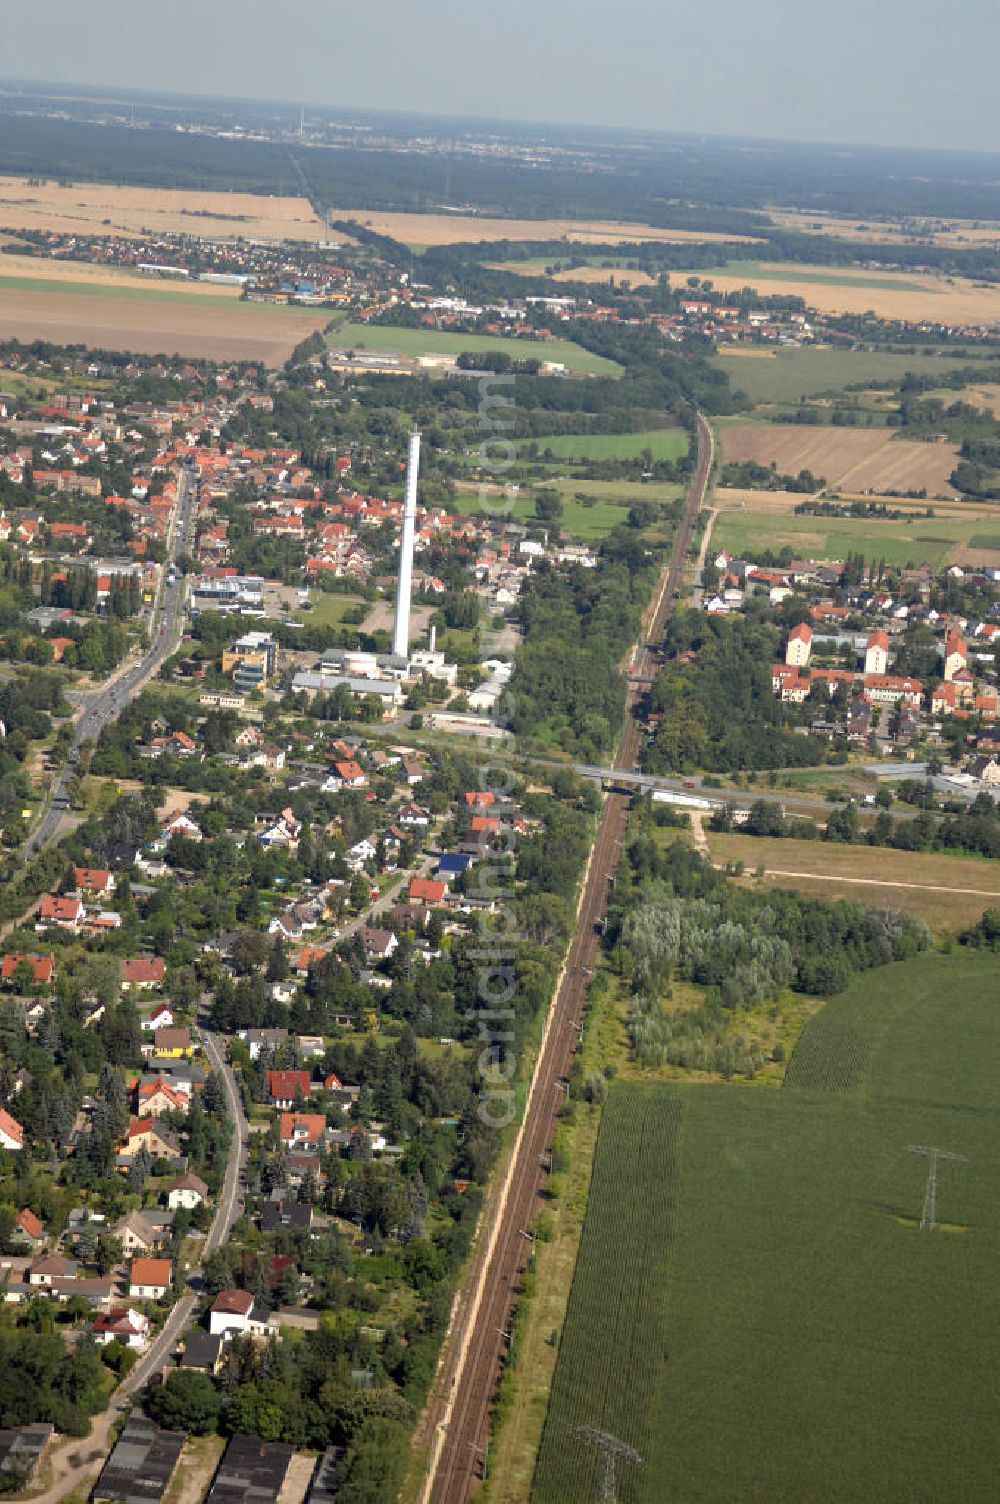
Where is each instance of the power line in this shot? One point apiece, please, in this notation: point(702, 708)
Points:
point(928, 1218)
point(610, 1450)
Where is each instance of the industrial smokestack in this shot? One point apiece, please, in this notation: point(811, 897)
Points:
point(401, 631)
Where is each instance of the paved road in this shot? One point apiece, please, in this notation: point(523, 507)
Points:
point(457, 1420)
point(104, 705)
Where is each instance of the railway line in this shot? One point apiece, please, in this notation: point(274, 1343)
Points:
point(459, 1416)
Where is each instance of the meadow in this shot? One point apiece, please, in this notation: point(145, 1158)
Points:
point(947, 892)
point(590, 508)
point(755, 1309)
point(416, 342)
point(810, 370)
point(902, 543)
point(662, 443)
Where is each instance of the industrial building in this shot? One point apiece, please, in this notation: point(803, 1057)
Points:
point(251, 1472)
point(141, 1466)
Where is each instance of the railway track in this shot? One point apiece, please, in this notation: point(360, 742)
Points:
point(459, 1417)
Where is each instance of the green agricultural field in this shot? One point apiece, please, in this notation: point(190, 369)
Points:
point(755, 1307)
point(400, 341)
point(985, 540)
point(788, 375)
point(897, 542)
point(662, 443)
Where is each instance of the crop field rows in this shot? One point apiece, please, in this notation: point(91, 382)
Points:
point(797, 1336)
point(614, 1329)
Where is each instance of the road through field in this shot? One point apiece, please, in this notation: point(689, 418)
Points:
point(458, 1417)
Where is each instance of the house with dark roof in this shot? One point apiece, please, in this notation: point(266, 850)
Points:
point(251, 1472)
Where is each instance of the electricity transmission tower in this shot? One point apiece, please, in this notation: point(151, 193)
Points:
point(932, 1154)
point(610, 1450)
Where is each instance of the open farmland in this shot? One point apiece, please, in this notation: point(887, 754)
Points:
point(853, 460)
point(104, 209)
point(396, 340)
point(790, 1332)
point(613, 1349)
point(947, 892)
point(927, 231)
point(662, 443)
point(152, 319)
point(423, 230)
point(941, 300)
point(786, 375)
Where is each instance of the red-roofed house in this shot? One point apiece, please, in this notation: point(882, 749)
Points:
point(93, 880)
point(302, 1130)
point(65, 913)
point(426, 890)
point(11, 1132)
point(143, 972)
point(29, 1229)
point(149, 1279)
point(43, 968)
point(285, 1088)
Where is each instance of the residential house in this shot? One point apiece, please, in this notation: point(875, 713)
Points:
point(285, 1088)
point(145, 1134)
point(188, 1192)
point(11, 1132)
point(95, 881)
point(43, 969)
point(149, 1279)
point(162, 1017)
point(62, 913)
point(302, 1130)
point(236, 1313)
point(122, 1324)
point(172, 1044)
point(142, 973)
point(136, 1235)
point(426, 890)
point(29, 1230)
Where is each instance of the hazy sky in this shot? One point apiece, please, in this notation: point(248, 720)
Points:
point(899, 72)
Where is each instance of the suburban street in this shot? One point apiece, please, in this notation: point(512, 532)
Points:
point(101, 706)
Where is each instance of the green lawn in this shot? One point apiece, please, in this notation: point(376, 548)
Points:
point(790, 374)
point(796, 1336)
point(401, 341)
point(587, 520)
point(897, 542)
point(328, 608)
point(663, 444)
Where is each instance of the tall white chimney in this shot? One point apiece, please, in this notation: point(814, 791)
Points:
point(401, 631)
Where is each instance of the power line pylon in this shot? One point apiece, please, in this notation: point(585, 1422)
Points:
point(610, 1450)
point(928, 1218)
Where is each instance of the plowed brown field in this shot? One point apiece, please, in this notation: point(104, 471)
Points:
point(855, 460)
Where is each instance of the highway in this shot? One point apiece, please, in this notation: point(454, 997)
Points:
point(457, 1421)
point(104, 705)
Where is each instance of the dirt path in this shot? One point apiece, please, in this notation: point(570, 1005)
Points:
point(700, 839)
